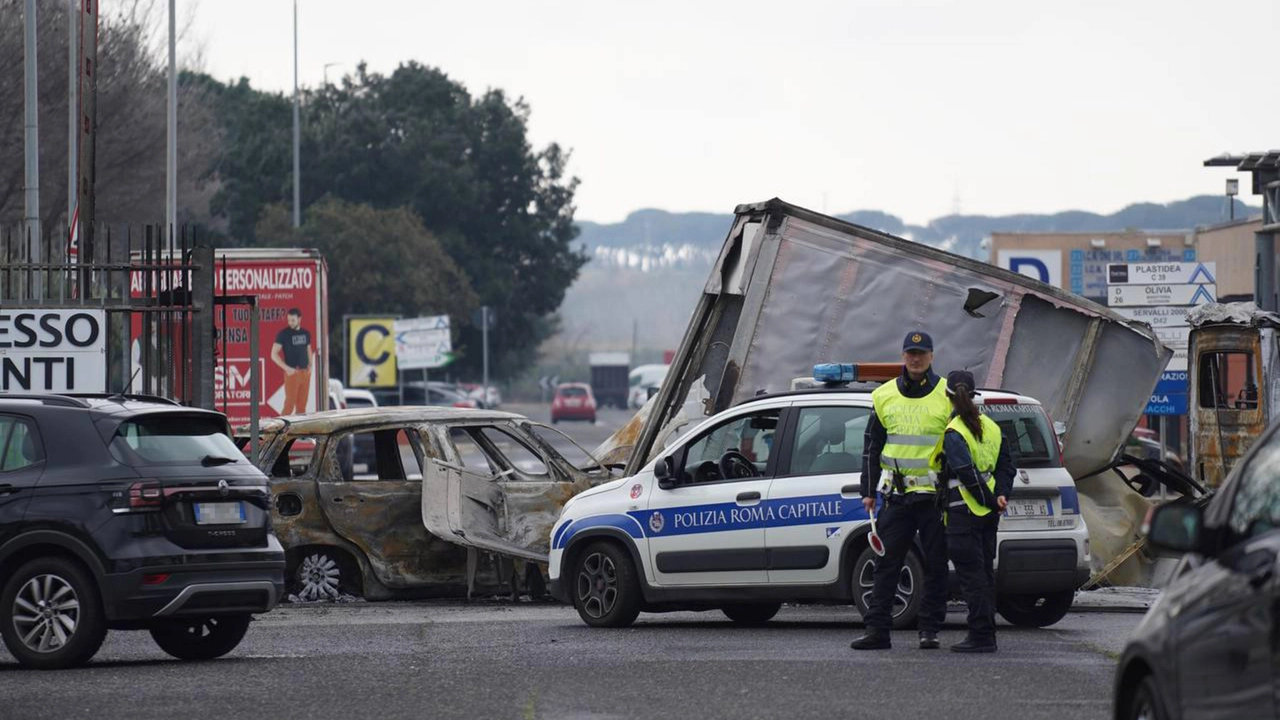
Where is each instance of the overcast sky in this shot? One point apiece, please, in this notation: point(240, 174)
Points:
point(898, 105)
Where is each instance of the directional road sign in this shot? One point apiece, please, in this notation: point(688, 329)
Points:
point(371, 352)
point(1162, 273)
point(1172, 382)
point(1157, 317)
point(1149, 295)
point(423, 342)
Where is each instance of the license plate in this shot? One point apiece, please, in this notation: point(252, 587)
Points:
point(219, 513)
point(1027, 508)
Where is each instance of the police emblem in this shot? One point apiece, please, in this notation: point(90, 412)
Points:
point(916, 338)
point(636, 491)
point(656, 522)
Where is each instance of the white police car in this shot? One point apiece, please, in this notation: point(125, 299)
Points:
point(761, 504)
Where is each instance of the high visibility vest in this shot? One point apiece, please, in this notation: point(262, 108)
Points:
point(985, 453)
point(914, 427)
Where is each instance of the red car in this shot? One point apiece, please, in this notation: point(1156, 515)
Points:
point(573, 401)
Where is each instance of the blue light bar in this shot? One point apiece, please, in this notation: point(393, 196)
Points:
point(835, 372)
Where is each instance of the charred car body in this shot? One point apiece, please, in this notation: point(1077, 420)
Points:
point(445, 489)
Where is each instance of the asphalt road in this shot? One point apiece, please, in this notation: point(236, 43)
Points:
point(492, 659)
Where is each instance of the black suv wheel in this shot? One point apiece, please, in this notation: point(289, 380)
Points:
point(202, 639)
point(51, 615)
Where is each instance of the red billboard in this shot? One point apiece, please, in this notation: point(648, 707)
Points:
point(291, 291)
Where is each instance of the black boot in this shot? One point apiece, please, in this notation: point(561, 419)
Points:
point(873, 640)
point(975, 645)
point(929, 640)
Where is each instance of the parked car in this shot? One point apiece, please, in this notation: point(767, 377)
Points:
point(1207, 647)
point(573, 401)
point(489, 397)
point(395, 527)
point(760, 504)
point(128, 513)
point(415, 393)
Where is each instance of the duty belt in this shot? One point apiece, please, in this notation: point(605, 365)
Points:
point(908, 481)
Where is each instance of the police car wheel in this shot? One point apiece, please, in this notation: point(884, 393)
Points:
point(755, 614)
point(1040, 610)
point(606, 590)
point(907, 596)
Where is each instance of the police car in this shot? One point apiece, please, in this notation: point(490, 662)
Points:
point(761, 505)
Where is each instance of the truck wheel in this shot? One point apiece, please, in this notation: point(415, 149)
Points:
point(1035, 610)
point(201, 639)
point(753, 614)
point(50, 614)
point(606, 589)
point(907, 596)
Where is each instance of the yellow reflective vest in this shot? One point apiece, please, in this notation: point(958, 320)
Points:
point(914, 427)
point(985, 453)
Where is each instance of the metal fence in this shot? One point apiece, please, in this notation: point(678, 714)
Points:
point(155, 288)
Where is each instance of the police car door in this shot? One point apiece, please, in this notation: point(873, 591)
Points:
point(709, 528)
point(814, 501)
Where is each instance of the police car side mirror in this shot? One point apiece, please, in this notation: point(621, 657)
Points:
point(663, 472)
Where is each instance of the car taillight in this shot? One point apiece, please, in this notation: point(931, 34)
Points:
point(464, 404)
point(1062, 460)
point(145, 496)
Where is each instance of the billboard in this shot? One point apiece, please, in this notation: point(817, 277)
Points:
point(53, 351)
point(291, 291)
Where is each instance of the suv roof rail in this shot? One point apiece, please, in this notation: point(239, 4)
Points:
point(141, 397)
point(62, 399)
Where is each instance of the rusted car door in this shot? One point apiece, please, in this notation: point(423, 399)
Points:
point(378, 510)
point(497, 490)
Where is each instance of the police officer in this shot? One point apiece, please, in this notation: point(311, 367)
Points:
point(977, 469)
point(905, 426)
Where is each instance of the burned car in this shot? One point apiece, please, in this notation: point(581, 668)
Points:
point(450, 501)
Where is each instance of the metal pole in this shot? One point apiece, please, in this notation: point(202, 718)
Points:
point(255, 381)
point(484, 333)
point(171, 156)
point(1265, 272)
point(32, 139)
point(73, 111)
point(297, 181)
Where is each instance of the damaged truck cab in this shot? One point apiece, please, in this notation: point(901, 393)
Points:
point(1233, 361)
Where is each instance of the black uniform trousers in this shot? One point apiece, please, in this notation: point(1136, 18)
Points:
point(900, 518)
point(971, 544)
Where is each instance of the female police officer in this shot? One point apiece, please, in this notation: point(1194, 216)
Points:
point(977, 470)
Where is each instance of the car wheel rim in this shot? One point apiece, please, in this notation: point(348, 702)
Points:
point(319, 577)
point(46, 613)
point(902, 594)
point(597, 585)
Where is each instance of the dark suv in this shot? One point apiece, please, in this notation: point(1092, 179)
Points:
point(128, 513)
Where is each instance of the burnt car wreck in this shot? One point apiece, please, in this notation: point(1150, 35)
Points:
point(449, 501)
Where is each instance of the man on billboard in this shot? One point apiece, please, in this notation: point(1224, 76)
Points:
point(292, 352)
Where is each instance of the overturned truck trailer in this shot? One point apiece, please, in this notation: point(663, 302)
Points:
point(792, 288)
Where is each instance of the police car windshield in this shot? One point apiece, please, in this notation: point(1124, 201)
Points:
point(1026, 431)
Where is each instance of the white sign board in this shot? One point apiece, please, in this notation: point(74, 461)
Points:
point(1174, 337)
point(53, 351)
point(1042, 265)
point(1149, 295)
point(1162, 273)
point(1157, 317)
point(1178, 361)
point(423, 342)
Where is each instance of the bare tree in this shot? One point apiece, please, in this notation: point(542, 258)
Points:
point(131, 102)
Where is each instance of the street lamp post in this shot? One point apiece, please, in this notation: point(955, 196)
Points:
point(1233, 189)
point(297, 173)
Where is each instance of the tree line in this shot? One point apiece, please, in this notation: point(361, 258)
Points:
point(424, 198)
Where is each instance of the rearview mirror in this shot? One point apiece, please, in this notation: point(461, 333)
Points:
point(664, 473)
point(1175, 527)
